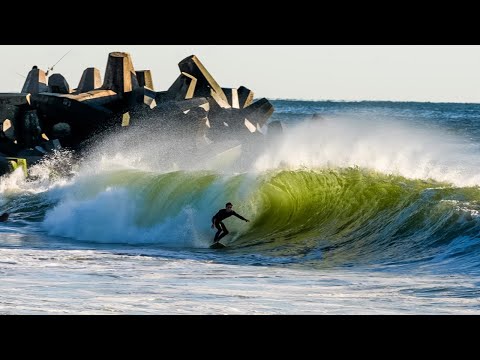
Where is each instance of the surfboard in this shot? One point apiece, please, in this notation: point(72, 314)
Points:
point(217, 245)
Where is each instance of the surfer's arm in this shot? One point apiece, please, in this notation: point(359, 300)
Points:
point(240, 217)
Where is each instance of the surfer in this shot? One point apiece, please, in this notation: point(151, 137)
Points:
point(4, 217)
point(217, 221)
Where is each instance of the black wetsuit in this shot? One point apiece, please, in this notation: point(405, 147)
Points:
point(218, 218)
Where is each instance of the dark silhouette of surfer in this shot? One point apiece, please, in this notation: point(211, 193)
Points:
point(217, 221)
point(4, 217)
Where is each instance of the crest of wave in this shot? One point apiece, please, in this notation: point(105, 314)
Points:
point(382, 145)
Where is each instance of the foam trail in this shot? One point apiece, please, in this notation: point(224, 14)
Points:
point(381, 145)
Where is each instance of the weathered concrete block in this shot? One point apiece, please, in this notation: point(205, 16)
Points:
point(120, 75)
point(8, 112)
point(8, 129)
point(126, 119)
point(14, 99)
point(31, 155)
point(149, 97)
point(51, 145)
point(185, 105)
point(5, 166)
point(7, 146)
point(183, 88)
point(61, 130)
point(36, 82)
point(58, 84)
point(31, 131)
point(259, 112)
point(245, 97)
point(206, 84)
point(232, 97)
point(84, 113)
point(144, 78)
point(91, 80)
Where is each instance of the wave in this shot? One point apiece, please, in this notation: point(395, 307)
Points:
point(328, 217)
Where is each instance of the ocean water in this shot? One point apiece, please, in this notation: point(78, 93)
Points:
point(373, 209)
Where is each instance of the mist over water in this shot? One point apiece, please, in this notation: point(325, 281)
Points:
point(382, 145)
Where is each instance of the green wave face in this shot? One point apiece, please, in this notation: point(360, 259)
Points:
point(324, 217)
point(342, 216)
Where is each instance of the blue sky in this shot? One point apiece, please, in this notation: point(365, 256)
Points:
point(437, 73)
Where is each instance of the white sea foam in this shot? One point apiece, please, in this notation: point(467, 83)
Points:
point(103, 282)
point(385, 146)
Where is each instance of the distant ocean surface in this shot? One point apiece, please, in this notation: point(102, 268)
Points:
point(373, 209)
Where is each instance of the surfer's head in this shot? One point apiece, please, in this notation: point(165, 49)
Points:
point(228, 206)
